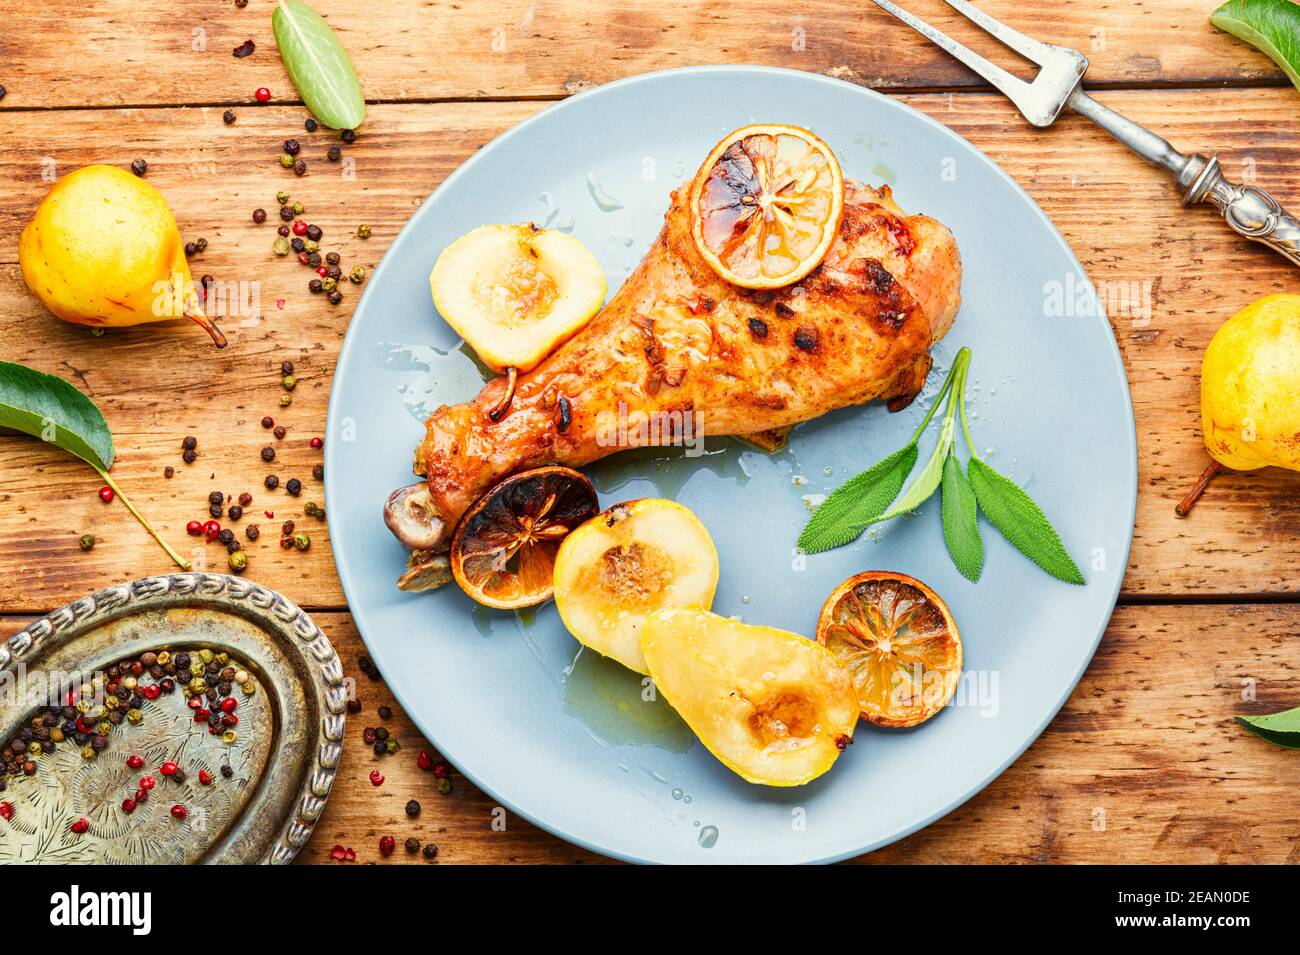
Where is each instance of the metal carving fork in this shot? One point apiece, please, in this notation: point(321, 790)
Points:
point(1059, 84)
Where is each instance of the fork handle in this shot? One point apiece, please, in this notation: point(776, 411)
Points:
point(1249, 211)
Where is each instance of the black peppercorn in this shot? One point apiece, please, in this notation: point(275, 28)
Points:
point(214, 510)
point(191, 250)
point(381, 733)
point(286, 368)
point(279, 432)
point(310, 125)
point(190, 443)
point(283, 230)
point(228, 117)
point(3, 91)
point(385, 712)
point(139, 167)
point(189, 456)
point(225, 535)
point(216, 497)
point(379, 749)
point(291, 147)
point(412, 845)
point(348, 135)
point(244, 49)
point(286, 213)
point(430, 851)
point(268, 422)
point(335, 297)
point(333, 154)
point(314, 259)
point(235, 512)
point(293, 486)
point(226, 771)
point(354, 705)
point(252, 532)
point(314, 285)
point(333, 258)
point(245, 499)
point(259, 216)
point(413, 808)
point(169, 471)
point(271, 482)
point(299, 167)
point(286, 529)
point(268, 454)
point(334, 272)
point(318, 471)
point(314, 233)
point(298, 245)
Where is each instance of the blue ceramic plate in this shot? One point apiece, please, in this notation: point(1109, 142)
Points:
point(563, 737)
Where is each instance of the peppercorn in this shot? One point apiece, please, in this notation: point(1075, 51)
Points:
point(291, 147)
point(314, 233)
point(169, 471)
point(285, 400)
point(310, 125)
point(279, 432)
point(330, 285)
point(245, 499)
point(235, 512)
point(3, 91)
point(380, 748)
point(444, 785)
point(368, 735)
point(286, 368)
point(87, 541)
point(385, 712)
point(286, 160)
point(244, 49)
point(139, 167)
point(354, 705)
point(214, 510)
point(430, 851)
point(299, 168)
point(314, 258)
point(335, 297)
point(357, 275)
point(333, 154)
point(348, 136)
point(282, 197)
point(289, 382)
point(298, 208)
point(251, 532)
point(268, 453)
point(333, 258)
point(189, 456)
point(286, 529)
point(225, 535)
point(412, 845)
point(293, 486)
point(301, 541)
point(216, 497)
point(314, 286)
point(334, 272)
point(228, 117)
point(363, 231)
point(189, 443)
point(286, 213)
point(259, 216)
point(271, 482)
point(191, 250)
point(280, 246)
point(318, 471)
point(386, 845)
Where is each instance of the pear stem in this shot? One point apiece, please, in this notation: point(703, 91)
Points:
point(181, 562)
point(208, 325)
point(1186, 504)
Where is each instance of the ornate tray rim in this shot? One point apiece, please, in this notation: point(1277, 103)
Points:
point(270, 609)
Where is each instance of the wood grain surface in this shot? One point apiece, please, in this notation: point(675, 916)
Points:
point(1143, 764)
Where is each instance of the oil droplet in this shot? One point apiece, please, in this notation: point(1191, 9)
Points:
point(885, 172)
point(604, 201)
point(609, 699)
point(798, 480)
point(449, 376)
point(708, 837)
point(744, 598)
point(828, 471)
point(678, 794)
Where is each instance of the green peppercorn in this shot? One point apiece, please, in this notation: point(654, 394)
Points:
point(392, 745)
point(286, 160)
point(329, 285)
point(289, 382)
point(229, 736)
point(87, 541)
point(444, 785)
point(357, 275)
point(282, 197)
point(301, 541)
point(298, 208)
point(238, 561)
point(363, 231)
point(312, 509)
point(285, 400)
point(280, 246)
point(311, 245)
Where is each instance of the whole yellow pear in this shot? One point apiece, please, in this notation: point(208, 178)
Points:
point(1250, 387)
point(103, 250)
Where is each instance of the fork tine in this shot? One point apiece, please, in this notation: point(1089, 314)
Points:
point(1035, 50)
point(1012, 86)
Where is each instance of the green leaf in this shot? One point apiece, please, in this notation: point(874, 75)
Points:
point(961, 521)
point(927, 482)
point(47, 407)
point(1280, 729)
point(852, 506)
point(318, 65)
point(1271, 26)
point(1021, 521)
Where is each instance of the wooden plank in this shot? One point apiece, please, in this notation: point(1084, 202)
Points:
point(159, 383)
point(1143, 764)
point(155, 52)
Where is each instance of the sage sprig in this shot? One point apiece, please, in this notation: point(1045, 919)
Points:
point(318, 64)
point(47, 407)
point(1280, 729)
point(1270, 26)
point(866, 499)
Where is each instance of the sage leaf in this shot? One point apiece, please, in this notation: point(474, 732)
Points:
point(961, 520)
point(852, 506)
point(47, 407)
point(1270, 26)
point(1021, 521)
point(320, 68)
point(927, 482)
point(1280, 729)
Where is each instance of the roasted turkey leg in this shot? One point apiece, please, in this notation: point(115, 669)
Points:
point(677, 348)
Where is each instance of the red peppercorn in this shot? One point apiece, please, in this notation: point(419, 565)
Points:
point(262, 95)
point(142, 795)
point(128, 805)
point(179, 811)
point(338, 852)
point(424, 760)
point(229, 720)
point(205, 777)
point(6, 811)
point(201, 715)
point(299, 227)
point(194, 528)
point(211, 528)
point(441, 770)
point(322, 270)
point(80, 826)
point(317, 443)
point(106, 494)
point(376, 778)
point(229, 705)
point(152, 692)
point(386, 845)
point(135, 762)
point(195, 702)
point(169, 769)
point(147, 783)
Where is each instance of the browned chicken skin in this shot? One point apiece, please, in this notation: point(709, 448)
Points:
point(677, 338)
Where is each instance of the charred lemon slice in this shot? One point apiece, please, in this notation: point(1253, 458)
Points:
point(766, 204)
point(516, 292)
point(621, 565)
point(899, 643)
point(503, 550)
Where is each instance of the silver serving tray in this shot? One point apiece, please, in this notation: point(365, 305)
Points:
point(283, 760)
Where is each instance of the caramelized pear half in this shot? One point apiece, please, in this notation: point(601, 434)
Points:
point(774, 707)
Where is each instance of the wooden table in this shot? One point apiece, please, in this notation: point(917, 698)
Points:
point(1143, 764)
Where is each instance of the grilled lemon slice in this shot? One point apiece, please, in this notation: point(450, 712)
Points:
point(620, 566)
point(516, 292)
